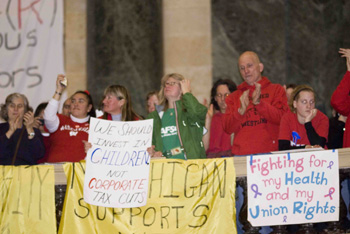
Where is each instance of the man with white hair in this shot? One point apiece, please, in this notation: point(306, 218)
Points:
point(254, 111)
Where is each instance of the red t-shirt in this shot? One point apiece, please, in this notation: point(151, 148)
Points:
point(219, 140)
point(66, 141)
point(257, 130)
point(290, 123)
point(341, 103)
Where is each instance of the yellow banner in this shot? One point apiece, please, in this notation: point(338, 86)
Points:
point(193, 196)
point(27, 203)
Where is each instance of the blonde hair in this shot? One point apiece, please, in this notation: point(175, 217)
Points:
point(120, 92)
point(162, 100)
point(296, 94)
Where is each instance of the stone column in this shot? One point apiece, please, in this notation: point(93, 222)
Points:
point(187, 42)
point(75, 44)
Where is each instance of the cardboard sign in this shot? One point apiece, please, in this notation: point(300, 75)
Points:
point(293, 188)
point(117, 165)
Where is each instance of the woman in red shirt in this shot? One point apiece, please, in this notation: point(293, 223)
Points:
point(304, 126)
point(68, 132)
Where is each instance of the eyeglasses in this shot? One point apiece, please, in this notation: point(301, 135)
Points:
point(170, 83)
point(222, 96)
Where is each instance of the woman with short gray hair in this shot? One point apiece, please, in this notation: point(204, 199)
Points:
point(20, 142)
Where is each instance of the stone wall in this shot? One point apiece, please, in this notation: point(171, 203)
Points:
point(134, 42)
point(124, 47)
point(297, 40)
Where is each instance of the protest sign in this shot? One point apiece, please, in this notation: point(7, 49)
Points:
point(293, 188)
point(117, 165)
point(31, 48)
point(185, 196)
point(27, 199)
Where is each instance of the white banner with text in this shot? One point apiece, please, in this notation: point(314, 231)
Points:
point(31, 48)
point(293, 188)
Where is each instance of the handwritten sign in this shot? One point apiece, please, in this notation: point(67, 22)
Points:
point(31, 48)
point(293, 188)
point(185, 196)
point(117, 166)
point(27, 199)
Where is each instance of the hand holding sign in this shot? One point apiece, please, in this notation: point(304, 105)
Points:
point(153, 153)
point(87, 146)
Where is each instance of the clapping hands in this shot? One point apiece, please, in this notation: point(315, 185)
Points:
point(244, 102)
point(256, 94)
point(29, 120)
point(245, 98)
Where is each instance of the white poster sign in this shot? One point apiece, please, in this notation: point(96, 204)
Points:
point(31, 48)
point(293, 188)
point(117, 165)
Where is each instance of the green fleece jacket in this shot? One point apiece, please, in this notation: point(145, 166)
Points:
point(190, 121)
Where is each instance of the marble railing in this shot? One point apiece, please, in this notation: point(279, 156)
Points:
point(241, 179)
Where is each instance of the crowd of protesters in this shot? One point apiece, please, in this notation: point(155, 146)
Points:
point(254, 117)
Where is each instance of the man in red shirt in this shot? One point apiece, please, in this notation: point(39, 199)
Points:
point(254, 111)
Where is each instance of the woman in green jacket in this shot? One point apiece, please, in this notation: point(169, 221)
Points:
point(178, 121)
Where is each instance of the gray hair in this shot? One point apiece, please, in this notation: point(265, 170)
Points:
point(9, 99)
